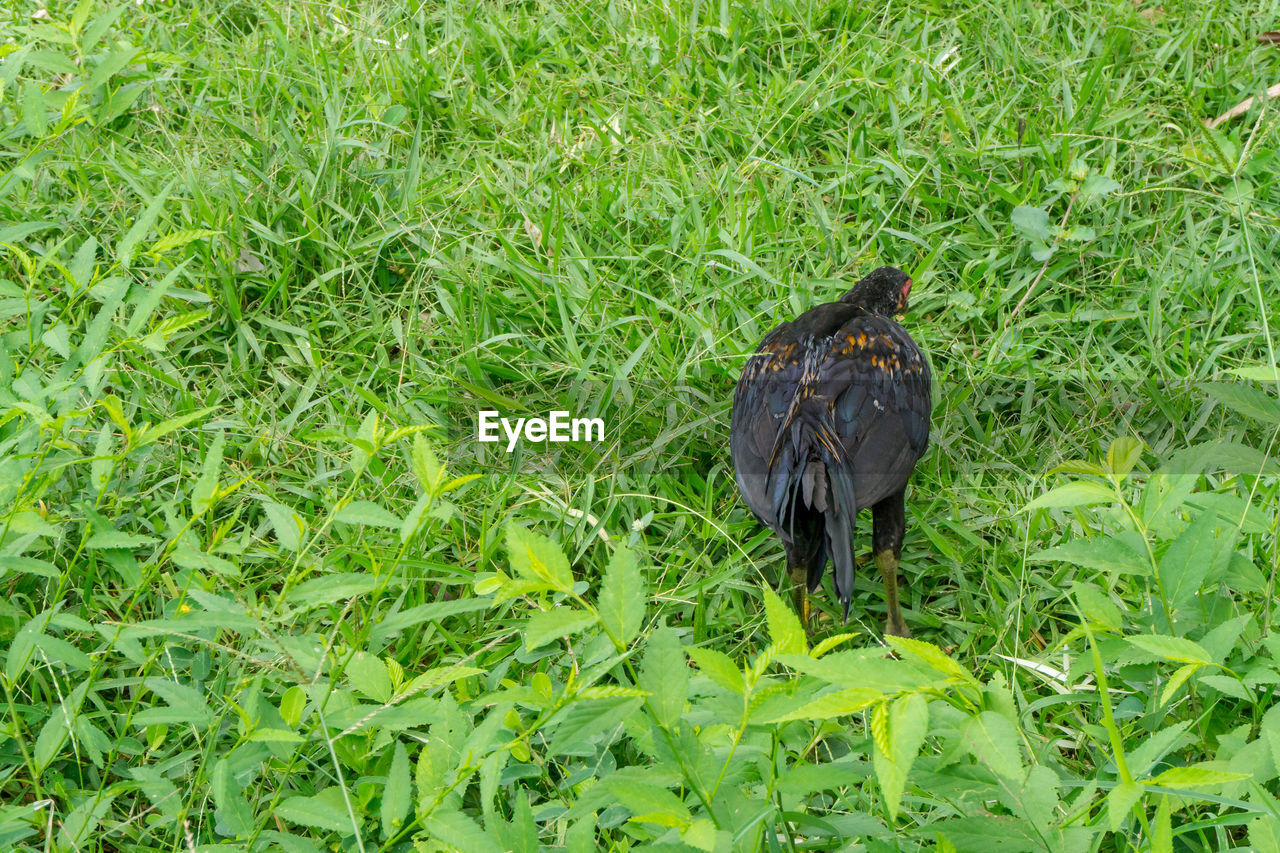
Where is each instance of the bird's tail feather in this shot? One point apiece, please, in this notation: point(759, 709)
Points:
point(808, 468)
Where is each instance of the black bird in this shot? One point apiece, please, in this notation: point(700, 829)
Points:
point(829, 417)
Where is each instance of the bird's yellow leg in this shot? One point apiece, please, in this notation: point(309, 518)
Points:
point(894, 625)
point(800, 594)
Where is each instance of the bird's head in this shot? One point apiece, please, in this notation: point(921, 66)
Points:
point(883, 291)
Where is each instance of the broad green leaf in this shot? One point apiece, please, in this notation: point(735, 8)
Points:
point(1123, 454)
point(150, 299)
point(589, 719)
point(898, 729)
point(994, 742)
point(329, 588)
point(201, 561)
point(718, 666)
point(28, 565)
point(649, 803)
point(538, 558)
point(665, 675)
point(369, 514)
point(287, 524)
point(549, 625)
point(1097, 185)
point(1077, 493)
point(1032, 223)
point(233, 813)
point(1096, 606)
point(784, 626)
point(1249, 400)
point(1103, 553)
point(622, 598)
point(1197, 552)
point(205, 489)
point(326, 811)
point(930, 654)
point(142, 225)
point(163, 428)
point(82, 823)
point(837, 704)
point(186, 705)
point(103, 461)
point(1156, 747)
point(1257, 373)
point(1178, 649)
point(24, 643)
point(111, 64)
point(292, 704)
point(397, 794)
point(1176, 680)
point(117, 539)
point(368, 674)
point(459, 832)
point(1120, 802)
point(1196, 776)
point(426, 466)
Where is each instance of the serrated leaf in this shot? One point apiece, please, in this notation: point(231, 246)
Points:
point(1178, 649)
point(1197, 553)
point(1248, 400)
point(549, 625)
point(718, 667)
point(929, 654)
point(784, 626)
point(286, 523)
point(1104, 553)
point(1096, 606)
point(142, 226)
point(397, 794)
point(189, 558)
point(622, 599)
point(1176, 680)
point(205, 489)
point(588, 720)
point(333, 587)
point(1077, 493)
point(1120, 802)
point(178, 239)
point(837, 704)
point(1123, 454)
point(649, 803)
point(459, 832)
point(1196, 776)
point(994, 742)
point(368, 675)
point(323, 811)
point(103, 461)
point(369, 514)
point(538, 558)
point(901, 731)
point(665, 675)
point(426, 466)
point(118, 539)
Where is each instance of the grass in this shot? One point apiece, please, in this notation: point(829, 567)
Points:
point(297, 228)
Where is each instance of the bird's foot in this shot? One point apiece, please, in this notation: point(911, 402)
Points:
point(896, 629)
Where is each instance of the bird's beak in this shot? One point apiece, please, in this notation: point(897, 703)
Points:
point(902, 300)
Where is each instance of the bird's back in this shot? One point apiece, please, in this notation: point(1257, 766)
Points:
point(842, 388)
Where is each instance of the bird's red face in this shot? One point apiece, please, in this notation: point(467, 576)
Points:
point(902, 299)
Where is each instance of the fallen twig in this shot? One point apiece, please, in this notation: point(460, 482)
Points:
point(1243, 107)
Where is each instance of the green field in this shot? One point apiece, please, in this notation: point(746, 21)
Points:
point(263, 264)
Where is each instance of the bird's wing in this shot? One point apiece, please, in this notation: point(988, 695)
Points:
point(765, 391)
point(879, 383)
